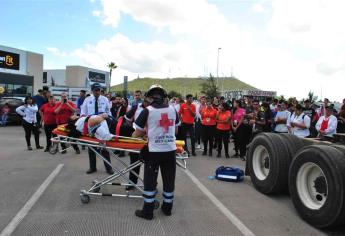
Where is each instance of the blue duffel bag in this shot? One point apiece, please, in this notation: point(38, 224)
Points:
point(230, 174)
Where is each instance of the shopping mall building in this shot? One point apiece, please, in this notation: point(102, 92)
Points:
point(22, 73)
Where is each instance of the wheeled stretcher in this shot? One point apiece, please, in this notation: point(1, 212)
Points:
point(119, 178)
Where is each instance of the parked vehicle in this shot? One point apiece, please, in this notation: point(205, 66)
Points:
point(14, 102)
point(312, 171)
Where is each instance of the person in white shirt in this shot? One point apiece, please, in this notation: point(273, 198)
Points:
point(327, 124)
point(198, 126)
point(281, 118)
point(177, 104)
point(29, 113)
point(94, 105)
point(299, 123)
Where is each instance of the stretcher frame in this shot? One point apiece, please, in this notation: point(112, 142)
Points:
point(119, 173)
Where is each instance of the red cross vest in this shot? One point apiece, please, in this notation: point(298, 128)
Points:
point(161, 129)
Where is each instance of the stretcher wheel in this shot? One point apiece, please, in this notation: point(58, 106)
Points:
point(85, 199)
point(54, 148)
point(156, 204)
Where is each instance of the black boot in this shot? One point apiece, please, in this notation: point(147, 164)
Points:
point(146, 212)
point(166, 208)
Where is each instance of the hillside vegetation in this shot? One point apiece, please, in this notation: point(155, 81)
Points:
point(182, 85)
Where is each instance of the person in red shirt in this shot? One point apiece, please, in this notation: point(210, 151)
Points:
point(223, 128)
point(64, 110)
point(208, 121)
point(48, 115)
point(187, 115)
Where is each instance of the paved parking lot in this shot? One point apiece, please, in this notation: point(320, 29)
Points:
point(202, 206)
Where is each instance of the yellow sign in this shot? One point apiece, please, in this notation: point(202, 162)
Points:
point(9, 60)
point(2, 90)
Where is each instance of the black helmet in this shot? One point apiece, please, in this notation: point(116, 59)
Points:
point(96, 86)
point(156, 89)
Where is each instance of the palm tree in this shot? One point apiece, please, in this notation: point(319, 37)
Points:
point(112, 66)
point(312, 98)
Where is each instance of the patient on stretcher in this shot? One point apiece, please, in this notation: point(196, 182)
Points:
point(101, 126)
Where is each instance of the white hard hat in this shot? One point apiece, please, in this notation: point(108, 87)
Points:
point(156, 89)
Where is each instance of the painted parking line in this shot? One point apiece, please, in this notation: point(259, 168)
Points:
point(232, 217)
point(8, 230)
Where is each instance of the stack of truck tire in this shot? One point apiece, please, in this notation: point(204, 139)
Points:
point(312, 172)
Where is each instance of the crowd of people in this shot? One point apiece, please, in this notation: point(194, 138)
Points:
point(209, 123)
point(214, 121)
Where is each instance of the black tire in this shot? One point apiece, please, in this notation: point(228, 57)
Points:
point(330, 160)
point(340, 148)
point(293, 143)
point(85, 199)
point(277, 163)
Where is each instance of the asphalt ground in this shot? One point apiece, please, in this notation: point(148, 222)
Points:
point(202, 206)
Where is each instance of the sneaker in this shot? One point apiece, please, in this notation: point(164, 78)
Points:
point(39, 147)
point(29, 148)
point(193, 154)
point(227, 155)
point(243, 158)
point(64, 152)
point(198, 146)
point(46, 150)
point(110, 172)
point(77, 151)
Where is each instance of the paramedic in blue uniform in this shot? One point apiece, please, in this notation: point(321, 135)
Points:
point(130, 117)
point(160, 122)
point(94, 105)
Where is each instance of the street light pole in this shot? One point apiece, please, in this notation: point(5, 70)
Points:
point(218, 66)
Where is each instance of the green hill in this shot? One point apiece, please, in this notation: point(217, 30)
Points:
point(182, 85)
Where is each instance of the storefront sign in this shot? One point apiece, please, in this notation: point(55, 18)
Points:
point(9, 60)
point(237, 94)
point(96, 77)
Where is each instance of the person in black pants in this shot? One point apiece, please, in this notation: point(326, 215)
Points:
point(239, 130)
point(48, 115)
point(208, 120)
point(28, 112)
point(130, 117)
point(93, 105)
point(187, 113)
point(28, 128)
point(223, 129)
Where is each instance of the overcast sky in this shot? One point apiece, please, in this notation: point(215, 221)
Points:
point(290, 46)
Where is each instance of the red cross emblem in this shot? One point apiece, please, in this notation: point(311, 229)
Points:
point(165, 122)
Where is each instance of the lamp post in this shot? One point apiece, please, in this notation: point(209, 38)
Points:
point(218, 66)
